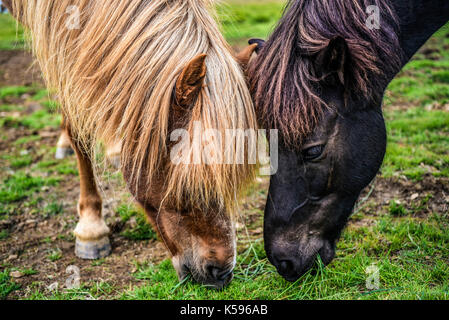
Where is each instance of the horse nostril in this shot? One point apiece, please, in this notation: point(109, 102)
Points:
point(219, 274)
point(286, 266)
point(185, 268)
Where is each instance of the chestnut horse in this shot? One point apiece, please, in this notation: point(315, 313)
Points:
point(127, 73)
point(320, 80)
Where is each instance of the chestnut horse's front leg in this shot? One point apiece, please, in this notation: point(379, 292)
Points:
point(64, 145)
point(92, 241)
point(64, 148)
point(113, 151)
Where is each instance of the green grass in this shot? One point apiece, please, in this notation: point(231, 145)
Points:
point(20, 185)
point(38, 120)
point(19, 188)
point(87, 291)
point(47, 117)
point(10, 36)
point(4, 234)
point(27, 271)
point(41, 94)
point(10, 108)
point(17, 162)
point(140, 229)
point(62, 167)
point(54, 255)
point(411, 257)
point(14, 91)
point(26, 139)
point(397, 209)
point(6, 284)
point(418, 143)
point(53, 208)
point(425, 79)
point(419, 136)
point(250, 19)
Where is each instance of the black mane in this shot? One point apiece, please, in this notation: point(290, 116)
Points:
point(284, 83)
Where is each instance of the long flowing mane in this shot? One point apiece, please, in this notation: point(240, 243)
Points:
point(284, 84)
point(115, 75)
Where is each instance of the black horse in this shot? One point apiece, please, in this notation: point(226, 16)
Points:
point(320, 80)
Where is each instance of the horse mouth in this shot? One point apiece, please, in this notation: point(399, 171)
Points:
point(185, 273)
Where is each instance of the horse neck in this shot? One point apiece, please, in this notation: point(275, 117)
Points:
point(419, 20)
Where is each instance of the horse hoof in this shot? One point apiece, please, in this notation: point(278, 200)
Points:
point(91, 250)
point(62, 153)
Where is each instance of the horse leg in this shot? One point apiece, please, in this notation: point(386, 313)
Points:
point(92, 241)
point(113, 154)
point(64, 146)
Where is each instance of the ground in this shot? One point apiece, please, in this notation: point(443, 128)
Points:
point(400, 225)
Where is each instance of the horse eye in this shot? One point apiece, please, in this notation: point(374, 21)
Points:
point(313, 152)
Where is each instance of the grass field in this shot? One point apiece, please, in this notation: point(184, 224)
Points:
point(400, 226)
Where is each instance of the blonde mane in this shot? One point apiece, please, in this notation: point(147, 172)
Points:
point(115, 75)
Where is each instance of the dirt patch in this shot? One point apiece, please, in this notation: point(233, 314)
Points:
point(17, 68)
point(33, 238)
point(418, 198)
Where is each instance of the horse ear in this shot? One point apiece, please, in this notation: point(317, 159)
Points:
point(245, 55)
point(334, 59)
point(8, 5)
point(190, 82)
point(260, 44)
